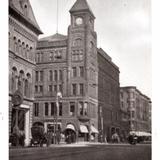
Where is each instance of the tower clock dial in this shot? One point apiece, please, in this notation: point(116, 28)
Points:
point(79, 21)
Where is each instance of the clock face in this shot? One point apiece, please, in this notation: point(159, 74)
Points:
point(79, 21)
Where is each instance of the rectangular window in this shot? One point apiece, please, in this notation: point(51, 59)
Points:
point(72, 108)
point(81, 70)
point(36, 109)
point(60, 88)
point(85, 108)
point(74, 72)
point(133, 114)
point(60, 109)
point(50, 75)
point(50, 88)
point(60, 75)
point(46, 109)
point(55, 88)
point(55, 75)
point(41, 76)
point(81, 87)
point(36, 78)
point(74, 89)
point(41, 88)
point(80, 106)
point(53, 109)
point(36, 89)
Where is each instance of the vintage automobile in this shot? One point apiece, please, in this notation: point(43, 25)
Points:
point(38, 136)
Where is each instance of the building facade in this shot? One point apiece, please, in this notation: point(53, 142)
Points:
point(23, 36)
point(69, 64)
point(108, 96)
point(137, 107)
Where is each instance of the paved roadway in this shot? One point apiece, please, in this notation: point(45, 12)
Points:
point(84, 152)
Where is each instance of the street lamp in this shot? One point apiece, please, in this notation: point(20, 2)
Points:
point(58, 97)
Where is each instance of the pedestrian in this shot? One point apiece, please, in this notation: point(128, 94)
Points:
point(49, 138)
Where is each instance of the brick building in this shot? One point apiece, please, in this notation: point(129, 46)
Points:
point(23, 36)
point(136, 107)
point(71, 64)
point(108, 96)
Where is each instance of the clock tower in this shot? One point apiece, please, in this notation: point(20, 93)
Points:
point(82, 53)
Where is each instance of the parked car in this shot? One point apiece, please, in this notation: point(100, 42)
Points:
point(38, 136)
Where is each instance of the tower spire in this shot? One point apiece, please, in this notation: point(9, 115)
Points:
point(81, 5)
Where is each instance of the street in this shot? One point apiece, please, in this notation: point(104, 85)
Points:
point(84, 152)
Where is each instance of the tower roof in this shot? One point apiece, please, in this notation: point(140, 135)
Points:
point(81, 5)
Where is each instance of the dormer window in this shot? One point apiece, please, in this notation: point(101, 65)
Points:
point(58, 54)
point(25, 9)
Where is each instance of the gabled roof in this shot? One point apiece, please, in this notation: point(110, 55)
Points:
point(18, 6)
point(81, 5)
point(55, 37)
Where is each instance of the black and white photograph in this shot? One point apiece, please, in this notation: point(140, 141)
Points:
point(79, 80)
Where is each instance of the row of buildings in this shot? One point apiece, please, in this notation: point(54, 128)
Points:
point(92, 106)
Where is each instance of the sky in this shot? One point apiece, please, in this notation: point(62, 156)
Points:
point(124, 32)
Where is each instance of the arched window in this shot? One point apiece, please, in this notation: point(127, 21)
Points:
point(15, 45)
point(19, 47)
point(20, 81)
point(31, 53)
point(91, 46)
point(9, 34)
point(26, 85)
point(13, 79)
point(25, 9)
point(78, 42)
point(26, 52)
point(23, 49)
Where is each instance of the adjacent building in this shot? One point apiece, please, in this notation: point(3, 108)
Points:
point(136, 110)
point(23, 36)
point(108, 97)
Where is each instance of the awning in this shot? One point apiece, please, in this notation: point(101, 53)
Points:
point(139, 133)
point(93, 129)
point(83, 129)
point(70, 126)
